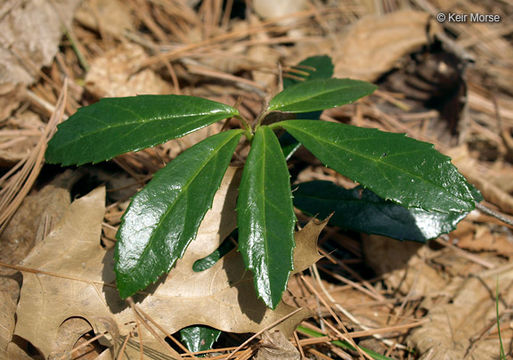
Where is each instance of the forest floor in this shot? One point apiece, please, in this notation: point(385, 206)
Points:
point(369, 296)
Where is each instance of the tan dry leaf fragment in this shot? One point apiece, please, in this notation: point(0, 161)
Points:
point(37, 214)
point(30, 32)
point(375, 43)
point(457, 329)
point(481, 238)
point(270, 9)
point(7, 309)
point(71, 249)
point(275, 345)
point(403, 265)
point(106, 16)
point(222, 296)
point(112, 74)
point(481, 178)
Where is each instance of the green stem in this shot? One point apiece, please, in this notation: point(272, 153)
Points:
point(342, 344)
point(502, 354)
point(247, 128)
point(80, 56)
point(260, 118)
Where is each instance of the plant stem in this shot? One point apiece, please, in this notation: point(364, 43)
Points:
point(260, 118)
point(248, 132)
point(81, 59)
point(502, 354)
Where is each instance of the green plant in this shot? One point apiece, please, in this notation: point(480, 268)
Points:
point(163, 218)
point(497, 315)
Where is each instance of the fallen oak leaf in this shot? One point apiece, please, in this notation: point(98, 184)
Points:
point(276, 346)
point(222, 296)
point(385, 37)
point(38, 212)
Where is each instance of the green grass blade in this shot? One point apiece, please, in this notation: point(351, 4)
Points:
point(502, 353)
point(342, 344)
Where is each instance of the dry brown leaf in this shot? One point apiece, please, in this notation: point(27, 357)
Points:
point(306, 253)
point(464, 318)
point(403, 265)
point(375, 43)
point(14, 351)
point(472, 170)
point(7, 309)
point(113, 75)
point(111, 16)
point(30, 32)
point(264, 55)
point(275, 345)
point(222, 296)
point(37, 214)
point(460, 307)
point(483, 239)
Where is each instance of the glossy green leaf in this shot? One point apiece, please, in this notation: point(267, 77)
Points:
point(361, 210)
point(315, 67)
point(265, 217)
point(319, 94)
point(208, 261)
point(164, 217)
point(409, 172)
point(199, 338)
point(114, 126)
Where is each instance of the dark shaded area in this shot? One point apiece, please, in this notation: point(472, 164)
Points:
point(361, 210)
point(434, 77)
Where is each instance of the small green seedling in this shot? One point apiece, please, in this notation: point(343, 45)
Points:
point(163, 218)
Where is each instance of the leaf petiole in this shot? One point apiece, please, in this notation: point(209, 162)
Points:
point(261, 118)
point(248, 132)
